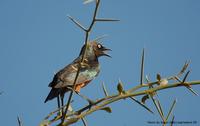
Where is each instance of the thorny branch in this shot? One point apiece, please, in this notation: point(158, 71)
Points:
point(87, 33)
point(75, 116)
point(147, 90)
point(99, 104)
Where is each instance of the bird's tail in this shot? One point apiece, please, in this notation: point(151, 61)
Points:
point(53, 93)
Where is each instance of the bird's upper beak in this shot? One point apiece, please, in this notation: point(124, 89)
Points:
point(104, 52)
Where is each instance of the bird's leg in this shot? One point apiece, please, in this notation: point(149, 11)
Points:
point(62, 102)
point(59, 107)
point(58, 101)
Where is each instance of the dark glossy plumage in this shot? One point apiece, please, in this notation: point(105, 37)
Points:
point(64, 79)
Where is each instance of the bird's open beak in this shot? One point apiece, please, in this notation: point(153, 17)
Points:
point(105, 50)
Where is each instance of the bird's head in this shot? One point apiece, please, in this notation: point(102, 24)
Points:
point(95, 50)
point(99, 49)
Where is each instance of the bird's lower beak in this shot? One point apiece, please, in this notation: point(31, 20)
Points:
point(105, 50)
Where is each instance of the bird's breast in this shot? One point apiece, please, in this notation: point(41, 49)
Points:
point(91, 73)
point(84, 75)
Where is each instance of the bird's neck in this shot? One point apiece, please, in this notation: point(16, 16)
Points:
point(89, 57)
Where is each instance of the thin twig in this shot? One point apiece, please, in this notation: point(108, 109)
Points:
point(106, 19)
point(172, 122)
point(185, 66)
point(143, 105)
point(170, 111)
point(142, 68)
point(87, 1)
point(161, 110)
point(182, 71)
point(19, 121)
point(186, 85)
point(191, 90)
point(158, 108)
point(185, 77)
point(94, 16)
point(104, 89)
point(84, 121)
point(77, 23)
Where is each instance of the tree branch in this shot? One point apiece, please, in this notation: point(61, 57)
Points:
point(117, 97)
point(103, 102)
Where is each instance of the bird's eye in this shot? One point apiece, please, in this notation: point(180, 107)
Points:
point(99, 46)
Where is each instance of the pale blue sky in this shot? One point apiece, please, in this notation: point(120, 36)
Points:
point(37, 39)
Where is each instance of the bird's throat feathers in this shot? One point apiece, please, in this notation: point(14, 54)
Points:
point(89, 55)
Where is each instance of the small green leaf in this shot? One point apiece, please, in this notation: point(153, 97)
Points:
point(144, 98)
point(107, 109)
point(120, 87)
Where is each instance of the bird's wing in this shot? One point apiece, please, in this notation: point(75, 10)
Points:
point(69, 75)
point(66, 76)
point(58, 78)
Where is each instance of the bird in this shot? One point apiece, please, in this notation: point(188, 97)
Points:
point(63, 80)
